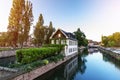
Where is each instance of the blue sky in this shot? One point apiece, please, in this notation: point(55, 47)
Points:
point(93, 17)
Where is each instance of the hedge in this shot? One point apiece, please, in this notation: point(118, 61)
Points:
point(54, 45)
point(25, 56)
point(60, 46)
point(37, 63)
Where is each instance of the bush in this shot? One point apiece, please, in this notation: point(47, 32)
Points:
point(25, 56)
point(53, 45)
point(37, 63)
point(45, 61)
point(61, 47)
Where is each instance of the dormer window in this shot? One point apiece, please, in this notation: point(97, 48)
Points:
point(59, 35)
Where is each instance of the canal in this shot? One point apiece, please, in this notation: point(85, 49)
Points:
point(93, 65)
point(5, 62)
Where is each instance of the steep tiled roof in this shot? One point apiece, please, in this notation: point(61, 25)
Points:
point(66, 34)
point(69, 35)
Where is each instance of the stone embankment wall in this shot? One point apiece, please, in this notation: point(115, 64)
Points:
point(40, 71)
point(8, 69)
point(7, 53)
point(110, 52)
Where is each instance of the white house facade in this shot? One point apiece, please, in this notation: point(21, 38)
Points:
point(62, 37)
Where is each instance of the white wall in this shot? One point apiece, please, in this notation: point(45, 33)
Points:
point(74, 48)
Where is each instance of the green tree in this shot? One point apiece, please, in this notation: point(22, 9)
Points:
point(116, 37)
point(111, 43)
point(15, 19)
point(19, 21)
point(104, 40)
point(26, 23)
point(39, 31)
point(111, 40)
point(3, 39)
point(82, 41)
point(49, 32)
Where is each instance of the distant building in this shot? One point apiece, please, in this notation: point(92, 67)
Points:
point(93, 44)
point(62, 37)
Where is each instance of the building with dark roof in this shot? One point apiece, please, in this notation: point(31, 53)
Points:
point(63, 37)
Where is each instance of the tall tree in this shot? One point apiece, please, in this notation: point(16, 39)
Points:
point(39, 31)
point(49, 32)
point(3, 39)
point(28, 19)
point(19, 21)
point(26, 23)
point(15, 20)
point(82, 41)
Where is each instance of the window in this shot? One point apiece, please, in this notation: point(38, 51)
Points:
point(70, 42)
point(63, 42)
point(70, 50)
point(59, 35)
point(52, 41)
point(57, 41)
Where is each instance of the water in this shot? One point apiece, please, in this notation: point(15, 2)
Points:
point(90, 66)
point(5, 62)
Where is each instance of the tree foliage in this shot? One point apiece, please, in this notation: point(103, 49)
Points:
point(26, 23)
point(49, 32)
point(82, 41)
point(20, 20)
point(111, 40)
point(3, 39)
point(39, 31)
point(42, 33)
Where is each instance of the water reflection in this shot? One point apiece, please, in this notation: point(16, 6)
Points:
point(77, 65)
point(108, 58)
point(66, 71)
point(92, 50)
point(93, 65)
point(70, 69)
point(6, 61)
point(81, 65)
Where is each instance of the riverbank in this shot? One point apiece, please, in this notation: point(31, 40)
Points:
point(113, 52)
point(39, 71)
point(7, 53)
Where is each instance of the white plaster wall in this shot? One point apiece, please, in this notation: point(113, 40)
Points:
point(68, 47)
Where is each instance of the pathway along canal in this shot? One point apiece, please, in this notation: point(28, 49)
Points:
point(90, 66)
